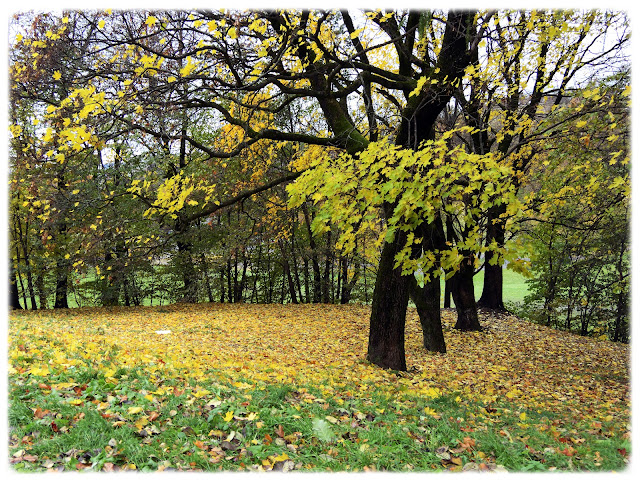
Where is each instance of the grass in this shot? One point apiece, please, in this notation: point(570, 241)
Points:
point(249, 387)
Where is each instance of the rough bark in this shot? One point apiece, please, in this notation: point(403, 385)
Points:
point(388, 310)
point(427, 300)
point(14, 296)
point(463, 297)
point(62, 284)
point(493, 282)
point(391, 293)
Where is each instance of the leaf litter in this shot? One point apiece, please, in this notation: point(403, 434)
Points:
point(246, 347)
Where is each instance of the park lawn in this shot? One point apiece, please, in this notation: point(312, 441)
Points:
point(272, 387)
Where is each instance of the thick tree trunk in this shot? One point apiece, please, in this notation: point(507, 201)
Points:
point(62, 284)
point(492, 287)
point(14, 295)
point(427, 300)
point(464, 298)
point(388, 310)
point(493, 283)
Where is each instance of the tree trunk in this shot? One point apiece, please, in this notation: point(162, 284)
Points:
point(427, 300)
point(207, 281)
point(493, 283)
point(287, 274)
point(464, 298)
point(42, 291)
point(447, 293)
point(347, 286)
point(315, 263)
point(326, 279)
point(189, 278)
point(62, 284)
point(388, 310)
point(110, 290)
point(14, 295)
point(222, 285)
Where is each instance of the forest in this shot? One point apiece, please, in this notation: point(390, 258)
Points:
point(375, 160)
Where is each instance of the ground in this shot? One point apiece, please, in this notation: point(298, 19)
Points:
point(283, 387)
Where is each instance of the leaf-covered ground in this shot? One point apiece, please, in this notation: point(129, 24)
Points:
point(272, 387)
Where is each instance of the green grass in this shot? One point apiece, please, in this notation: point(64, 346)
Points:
point(285, 427)
point(514, 286)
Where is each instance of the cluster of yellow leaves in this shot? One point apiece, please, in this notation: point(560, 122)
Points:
point(325, 345)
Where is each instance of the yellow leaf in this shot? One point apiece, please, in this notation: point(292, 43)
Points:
point(421, 82)
point(228, 416)
point(523, 417)
point(101, 24)
point(280, 458)
point(134, 410)
point(151, 21)
point(57, 75)
point(511, 394)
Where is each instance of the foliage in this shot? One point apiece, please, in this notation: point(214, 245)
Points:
point(580, 237)
point(421, 185)
point(213, 387)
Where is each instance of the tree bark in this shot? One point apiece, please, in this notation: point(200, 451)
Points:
point(388, 310)
point(391, 294)
point(14, 295)
point(62, 284)
point(447, 293)
point(189, 278)
point(464, 298)
point(493, 283)
point(427, 300)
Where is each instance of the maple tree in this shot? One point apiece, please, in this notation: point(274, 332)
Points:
point(532, 62)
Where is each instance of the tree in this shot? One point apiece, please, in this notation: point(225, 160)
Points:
point(580, 233)
point(531, 62)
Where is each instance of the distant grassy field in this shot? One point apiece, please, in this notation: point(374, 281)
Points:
point(515, 288)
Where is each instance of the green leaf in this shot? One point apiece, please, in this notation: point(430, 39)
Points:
point(322, 430)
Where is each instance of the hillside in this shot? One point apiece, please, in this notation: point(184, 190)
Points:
point(294, 384)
